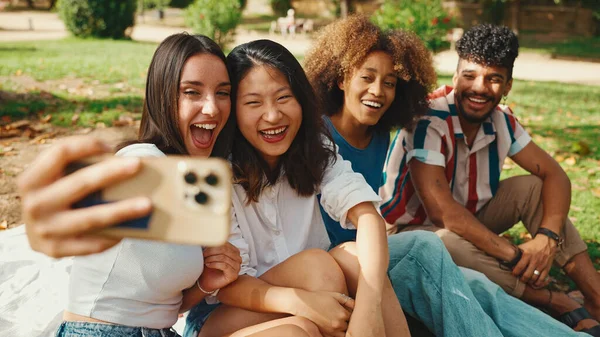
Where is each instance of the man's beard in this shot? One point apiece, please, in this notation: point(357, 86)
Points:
point(469, 118)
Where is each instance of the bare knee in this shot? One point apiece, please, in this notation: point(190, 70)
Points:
point(326, 274)
point(303, 327)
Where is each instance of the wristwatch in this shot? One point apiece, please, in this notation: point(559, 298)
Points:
point(551, 235)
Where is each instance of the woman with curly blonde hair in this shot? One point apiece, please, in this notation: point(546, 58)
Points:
point(369, 83)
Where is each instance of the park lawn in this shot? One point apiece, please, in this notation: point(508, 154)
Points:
point(99, 80)
point(583, 48)
point(562, 118)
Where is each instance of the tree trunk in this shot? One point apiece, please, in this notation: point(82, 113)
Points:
point(30, 4)
point(344, 8)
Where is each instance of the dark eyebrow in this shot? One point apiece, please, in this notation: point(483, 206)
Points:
point(200, 84)
point(488, 75)
point(276, 92)
point(373, 70)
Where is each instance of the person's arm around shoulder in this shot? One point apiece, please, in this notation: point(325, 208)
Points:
point(52, 227)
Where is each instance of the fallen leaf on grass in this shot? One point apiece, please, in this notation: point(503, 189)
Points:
point(84, 131)
point(581, 148)
point(18, 125)
point(525, 236)
point(123, 121)
point(41, 139)
point(571, 161)
point(9, 133)
point(46, 119)
point(46, 95)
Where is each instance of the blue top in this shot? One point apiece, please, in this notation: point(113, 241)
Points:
point(368, 162)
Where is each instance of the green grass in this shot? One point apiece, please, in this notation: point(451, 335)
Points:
point(572, 48)
point(107, 61)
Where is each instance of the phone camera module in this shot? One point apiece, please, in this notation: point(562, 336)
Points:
point(201, 198)
point(212, 179)
point(190, 178)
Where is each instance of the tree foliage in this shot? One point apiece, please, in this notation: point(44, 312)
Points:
point(216, 19)
point(426, 18)
point(98, 18)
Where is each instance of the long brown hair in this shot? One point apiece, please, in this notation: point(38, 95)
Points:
point(159, 124)
point(305, 162)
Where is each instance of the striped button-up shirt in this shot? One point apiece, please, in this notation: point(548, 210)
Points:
point(472, 173)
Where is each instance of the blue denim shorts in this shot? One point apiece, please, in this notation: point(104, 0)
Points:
point(81, 329)
point(197, 317)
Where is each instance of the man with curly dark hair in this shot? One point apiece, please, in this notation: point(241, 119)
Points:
point(454, 188)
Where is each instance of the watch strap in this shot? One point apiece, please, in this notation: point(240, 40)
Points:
point(552, 235)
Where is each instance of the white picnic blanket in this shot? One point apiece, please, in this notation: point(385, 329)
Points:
point(33, 288)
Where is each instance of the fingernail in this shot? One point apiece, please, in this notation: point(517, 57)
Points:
point(131, 164)
point(143, 204)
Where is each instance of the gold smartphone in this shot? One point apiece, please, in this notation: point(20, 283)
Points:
point(191, 199)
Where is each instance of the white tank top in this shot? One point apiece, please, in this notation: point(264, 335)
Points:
point(137, 282)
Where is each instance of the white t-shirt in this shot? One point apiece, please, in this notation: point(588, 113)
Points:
point(282, 223)
point(137, 282)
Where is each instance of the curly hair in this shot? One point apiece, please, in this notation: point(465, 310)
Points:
point(489, 45)
point(343, 46)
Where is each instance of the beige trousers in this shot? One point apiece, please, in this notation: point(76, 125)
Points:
point(517, 199)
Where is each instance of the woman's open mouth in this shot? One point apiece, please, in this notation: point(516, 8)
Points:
point(202, 134)
point(273, 135)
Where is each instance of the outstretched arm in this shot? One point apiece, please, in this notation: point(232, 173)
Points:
point(55, 229)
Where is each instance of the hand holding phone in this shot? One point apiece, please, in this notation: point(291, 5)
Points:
point(52, 226)
point(191, 199)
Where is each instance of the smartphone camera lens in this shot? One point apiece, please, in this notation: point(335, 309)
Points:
point(212, 179)
point(201, 198)
point(190, 178)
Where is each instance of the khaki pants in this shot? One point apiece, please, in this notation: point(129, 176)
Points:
point(517, 199)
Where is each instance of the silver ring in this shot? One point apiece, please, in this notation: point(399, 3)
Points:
point(346, 298)
point(536, 272)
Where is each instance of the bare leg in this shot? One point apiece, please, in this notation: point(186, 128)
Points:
point(283, 327)
point(393, 317)
point(581, 270)
point(312, 270)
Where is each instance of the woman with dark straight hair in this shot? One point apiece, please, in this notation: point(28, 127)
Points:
point(282, 157)
point(138, 287)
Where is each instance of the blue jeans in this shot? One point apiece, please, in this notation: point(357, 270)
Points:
point(84, 329)
point(197, 317)
point(454, 301)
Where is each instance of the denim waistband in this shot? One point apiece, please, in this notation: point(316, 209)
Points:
point(81, 329)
